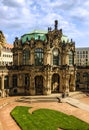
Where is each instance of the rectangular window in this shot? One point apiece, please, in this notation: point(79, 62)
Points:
point(71, 58)
point(86, 52)
point(38, 57)
point(83, 52)
point(77, 52)
point(14, 80)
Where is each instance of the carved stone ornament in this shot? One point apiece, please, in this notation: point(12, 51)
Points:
point(2, 38)
point(55, 42)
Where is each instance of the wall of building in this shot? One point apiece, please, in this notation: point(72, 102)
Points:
point(42, 66)
point(82, 78)
point(82, 56)
point(6, 58)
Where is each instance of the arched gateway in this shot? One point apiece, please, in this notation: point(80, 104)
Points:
point(55, 83)
point(39, 85)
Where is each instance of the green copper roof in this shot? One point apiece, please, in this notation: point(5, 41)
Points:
point(39, 33)
point(35, 34)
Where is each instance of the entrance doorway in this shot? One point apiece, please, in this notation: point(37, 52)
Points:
point(39, 85)
point(55, 83)
point(6, 82)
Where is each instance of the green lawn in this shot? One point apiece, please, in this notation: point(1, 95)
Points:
point(46, 119)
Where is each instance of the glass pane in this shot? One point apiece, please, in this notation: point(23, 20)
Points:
point(70, 58)
point(38, 56)
point(56, 59)
point(14, 80)
point(26, 56)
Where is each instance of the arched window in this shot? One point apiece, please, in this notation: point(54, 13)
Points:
point(85, 76)
point(26, 81)
point(71, 58)
point(14, 80)
point(38, 56)
point(6, 82)
point(39, 84)
point(0, 83)
point(56, 57)
point(78, 77)
point(26, 57)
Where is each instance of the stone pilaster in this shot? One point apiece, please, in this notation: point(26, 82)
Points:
point(45, 58)
point(32, 86)
point(19, 58)
point(10, 81)
point(2, 87)
point(67, 58)
point(32, 58)
point(19, 80)
point(49, 58)
point(47, 89)
point(72, 83)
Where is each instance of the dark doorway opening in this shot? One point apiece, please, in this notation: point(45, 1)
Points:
point(39, 85)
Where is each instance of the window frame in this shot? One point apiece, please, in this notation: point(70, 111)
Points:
point(56, 59)
point(26, 56)
point(39, 56)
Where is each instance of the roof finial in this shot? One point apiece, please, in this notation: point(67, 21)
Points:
point(56, 24)
point(49, 29)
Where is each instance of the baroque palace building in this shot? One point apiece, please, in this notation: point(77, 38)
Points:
point(43, 63)
point(82, 56)
point(6, 58)
point(82, 63)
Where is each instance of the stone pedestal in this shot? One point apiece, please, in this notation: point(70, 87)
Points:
point(46, 91)
point(32, 91)
point(2, 87)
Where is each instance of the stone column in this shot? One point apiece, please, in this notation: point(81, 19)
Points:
point(10, 81)
point(45, 58)
point(49, 58)
point(67, 58)
point(72, 83)
point(19, 58)
point(67, 85)
point(19, 80)
point(47, 89)
point(62, 58)
point(32, 58)
point(32, 86)
point(2, 87)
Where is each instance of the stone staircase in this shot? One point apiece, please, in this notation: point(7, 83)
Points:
point(34, 99)
point(78, 94)
point(50, 98)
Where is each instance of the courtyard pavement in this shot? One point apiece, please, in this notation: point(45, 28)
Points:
point(77, 103)
point(69, 106)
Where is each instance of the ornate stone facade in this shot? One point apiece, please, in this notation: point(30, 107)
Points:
point(82, 78)
point(5, 58)
point(43, 63)
point(2, 39)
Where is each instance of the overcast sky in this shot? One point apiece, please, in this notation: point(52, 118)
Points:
point(18, 17)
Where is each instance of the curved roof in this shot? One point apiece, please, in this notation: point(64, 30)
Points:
point(39, 33)
point(34, 34)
